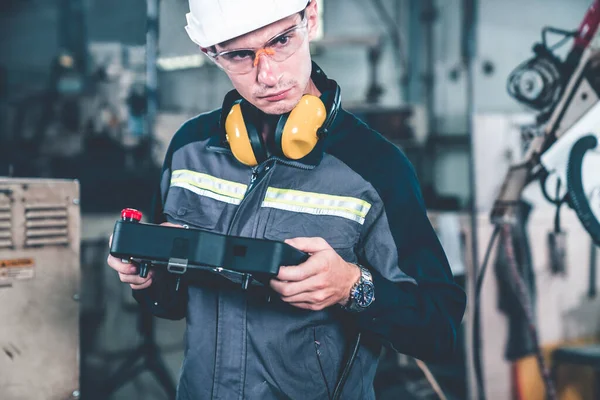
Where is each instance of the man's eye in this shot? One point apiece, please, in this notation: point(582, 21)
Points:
point(238, 55)
point(282, 40)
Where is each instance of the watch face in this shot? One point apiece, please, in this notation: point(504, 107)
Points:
point(364, 294)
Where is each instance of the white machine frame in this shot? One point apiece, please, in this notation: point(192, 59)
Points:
point(39, 289)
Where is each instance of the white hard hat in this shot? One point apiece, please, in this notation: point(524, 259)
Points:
point(210, 22)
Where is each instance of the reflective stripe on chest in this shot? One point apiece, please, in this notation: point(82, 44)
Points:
point(291, 200)
point(317, 204)
point(209, 186)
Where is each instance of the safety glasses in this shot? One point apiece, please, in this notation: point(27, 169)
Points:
point(279, 48)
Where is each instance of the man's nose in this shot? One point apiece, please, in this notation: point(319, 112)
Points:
point(267, 70)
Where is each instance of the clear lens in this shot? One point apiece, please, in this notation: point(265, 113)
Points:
point(284, 46)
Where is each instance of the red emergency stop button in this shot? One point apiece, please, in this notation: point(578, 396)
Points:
point(130, 214)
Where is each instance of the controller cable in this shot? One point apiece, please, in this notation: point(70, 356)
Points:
point(523, 300)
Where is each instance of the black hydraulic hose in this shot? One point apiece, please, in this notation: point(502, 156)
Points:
point(521, 293)
point(525, 303)
point(577, 197)
point(475, 327)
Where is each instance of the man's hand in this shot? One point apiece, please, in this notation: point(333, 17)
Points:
point(128, 273)
point(319, 282)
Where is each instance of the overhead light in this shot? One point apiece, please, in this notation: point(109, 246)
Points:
point(180, 62)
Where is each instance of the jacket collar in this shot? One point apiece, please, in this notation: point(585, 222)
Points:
point(218, 143)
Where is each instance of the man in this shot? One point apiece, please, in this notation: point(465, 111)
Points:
point(349, 198)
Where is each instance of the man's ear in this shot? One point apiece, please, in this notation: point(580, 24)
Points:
point(203, 49)
point(312, 15)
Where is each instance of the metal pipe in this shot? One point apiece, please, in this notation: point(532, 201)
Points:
point(414, 95)
point(72, 32)
point(152, 29)
point(593, 267)
point(400, 62)
point(428, 17)
point(468, 50)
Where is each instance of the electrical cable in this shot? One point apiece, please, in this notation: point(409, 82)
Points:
point(567, 35)
point(431, 379)
point(523, 300)
point(475, 327)
point(556, 200)
point(577, 197)
point(558, 205)
point(485, 262)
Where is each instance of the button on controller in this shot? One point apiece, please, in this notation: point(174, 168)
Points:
point(134, 216)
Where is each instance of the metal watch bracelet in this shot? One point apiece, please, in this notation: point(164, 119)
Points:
point(365, 282)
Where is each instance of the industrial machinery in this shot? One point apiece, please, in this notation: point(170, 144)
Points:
point(39, 289)
point(561, 152)
point(562, 149)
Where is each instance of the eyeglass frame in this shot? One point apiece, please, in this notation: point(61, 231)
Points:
point(303, 24)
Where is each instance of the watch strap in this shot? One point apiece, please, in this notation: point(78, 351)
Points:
point(365, 276)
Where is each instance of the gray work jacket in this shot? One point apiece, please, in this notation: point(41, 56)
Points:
point(358, 192)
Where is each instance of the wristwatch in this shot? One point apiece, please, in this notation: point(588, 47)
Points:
point(362, 293)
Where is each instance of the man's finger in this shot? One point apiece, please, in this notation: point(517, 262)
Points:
point(295, 273)
point(134, 279)
point(309, 244)
point(142, 286)
point(121, 267)
point(315, 298)
point(308, 306)
point(288, 289)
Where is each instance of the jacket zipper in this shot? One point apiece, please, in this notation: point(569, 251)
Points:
point(294, 164)
point(258, 173)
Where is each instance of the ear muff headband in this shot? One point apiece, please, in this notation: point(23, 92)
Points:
point(251, 114)
point(332, 100)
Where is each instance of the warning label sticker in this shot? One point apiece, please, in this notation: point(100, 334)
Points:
point(16, 269)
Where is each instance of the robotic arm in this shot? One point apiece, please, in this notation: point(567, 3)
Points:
point(565, 152)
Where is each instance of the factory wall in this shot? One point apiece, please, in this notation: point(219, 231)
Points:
point(16, 34)
point(506, 33)
point(30, 33)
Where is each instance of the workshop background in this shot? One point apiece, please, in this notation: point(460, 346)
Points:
point(91, 91)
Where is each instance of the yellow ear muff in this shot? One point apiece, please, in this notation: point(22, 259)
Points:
point(237, 136)
point(299, 135)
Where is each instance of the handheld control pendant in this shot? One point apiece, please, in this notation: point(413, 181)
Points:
point(192, 252)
